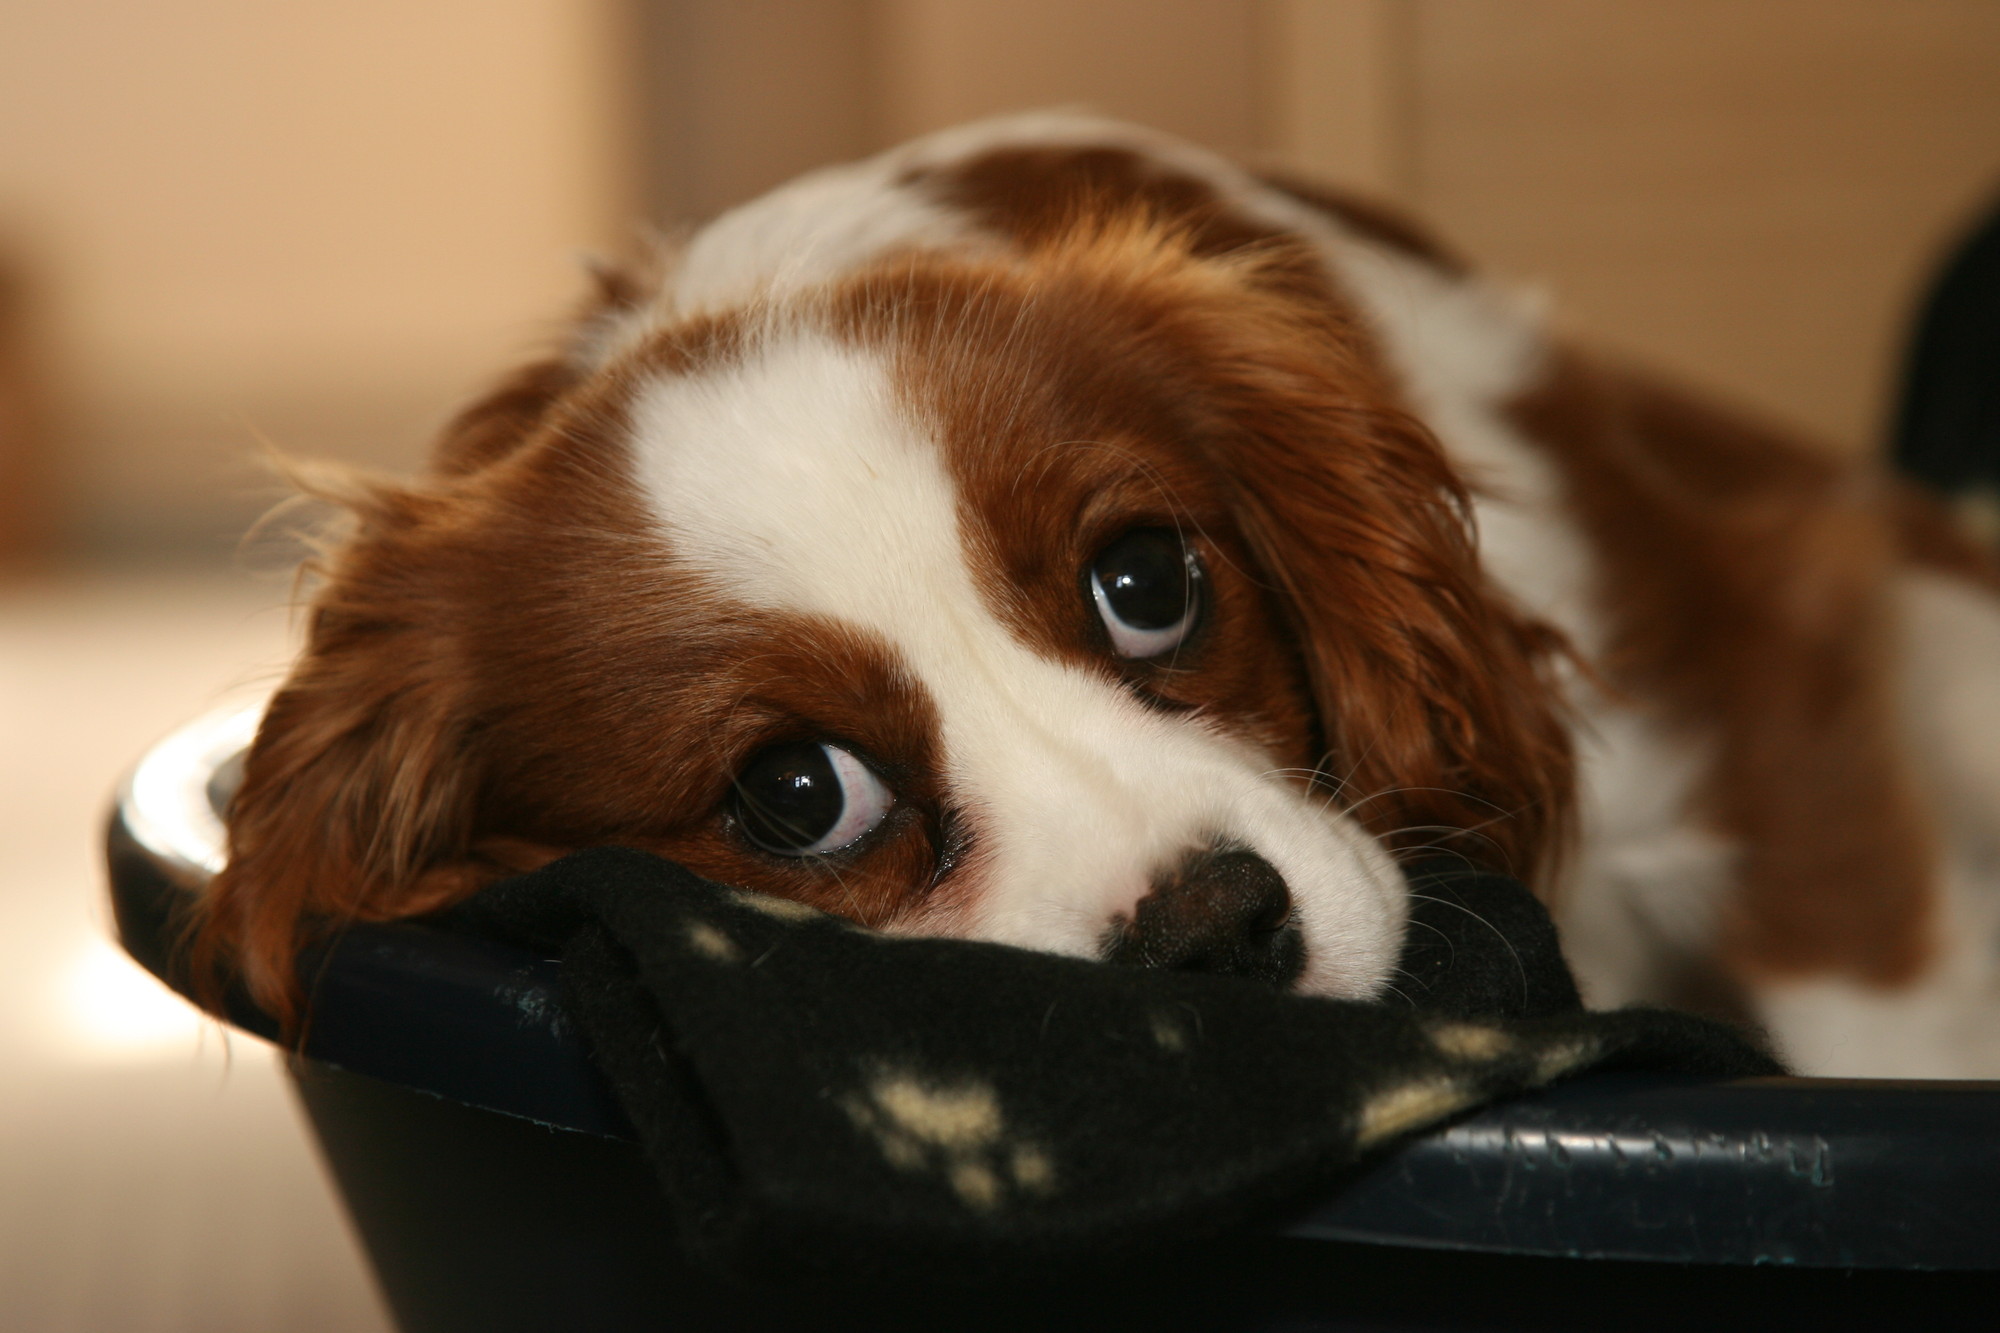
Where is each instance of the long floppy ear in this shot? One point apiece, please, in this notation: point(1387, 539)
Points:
point(356, 797)
point(358, 794)
point(1441, 720)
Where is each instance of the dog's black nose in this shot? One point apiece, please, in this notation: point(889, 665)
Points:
point(1224, 911)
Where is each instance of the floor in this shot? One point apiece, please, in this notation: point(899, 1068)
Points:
point(154, 1173)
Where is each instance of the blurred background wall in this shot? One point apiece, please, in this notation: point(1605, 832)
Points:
point(310, 222)
point(322, 224)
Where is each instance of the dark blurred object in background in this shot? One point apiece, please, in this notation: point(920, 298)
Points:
point(1947, 430)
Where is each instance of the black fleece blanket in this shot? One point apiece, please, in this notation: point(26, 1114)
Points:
point(813, 1092)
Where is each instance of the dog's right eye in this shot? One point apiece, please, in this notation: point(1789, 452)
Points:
point(808, 798)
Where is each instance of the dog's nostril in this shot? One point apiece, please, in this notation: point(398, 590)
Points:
point(1269, 909)
point(1226, 912)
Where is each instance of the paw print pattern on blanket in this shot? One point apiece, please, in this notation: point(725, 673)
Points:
point(955, 1129)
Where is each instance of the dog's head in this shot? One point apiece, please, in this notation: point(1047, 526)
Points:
point(1095, 598)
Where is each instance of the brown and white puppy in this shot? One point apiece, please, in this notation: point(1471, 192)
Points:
point(1047, 532)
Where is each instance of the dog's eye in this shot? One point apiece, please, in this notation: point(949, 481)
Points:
point(808, 798)
point(1147, 586)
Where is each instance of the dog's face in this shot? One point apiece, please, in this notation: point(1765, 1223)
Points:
point(1099, 601)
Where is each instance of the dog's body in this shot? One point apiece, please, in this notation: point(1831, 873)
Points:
point(998, 536)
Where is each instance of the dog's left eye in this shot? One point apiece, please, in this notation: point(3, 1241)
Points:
point(808, 798)
point(1147, 586)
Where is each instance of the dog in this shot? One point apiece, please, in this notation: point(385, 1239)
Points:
point(1050, 533)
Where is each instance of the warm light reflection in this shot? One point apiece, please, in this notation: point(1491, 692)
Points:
point(114, 1009)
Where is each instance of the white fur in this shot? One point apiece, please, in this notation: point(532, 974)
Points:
point(820, 226)
point(797, 481)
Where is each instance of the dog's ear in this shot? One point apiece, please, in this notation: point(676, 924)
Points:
point(356, 795)
point(1440, 719)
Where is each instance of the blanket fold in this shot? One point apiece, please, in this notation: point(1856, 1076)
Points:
point(815, 1094)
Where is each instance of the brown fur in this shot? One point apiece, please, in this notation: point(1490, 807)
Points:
point(502, 665)
point(1421, 676)
point(505, 662)
point(1745, 585)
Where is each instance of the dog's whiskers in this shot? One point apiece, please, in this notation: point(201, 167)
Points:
point(1519, 966)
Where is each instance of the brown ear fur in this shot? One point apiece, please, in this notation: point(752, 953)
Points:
point(1442, 725)
point(357, 784)
point(357, 799)
point(357, 795)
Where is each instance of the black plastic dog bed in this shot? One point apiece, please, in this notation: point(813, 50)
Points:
point(496, 1183)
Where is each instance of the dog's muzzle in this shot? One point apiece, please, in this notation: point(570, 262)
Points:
point(1224, 911)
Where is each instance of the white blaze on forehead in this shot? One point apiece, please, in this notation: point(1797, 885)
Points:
point(799, 481)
